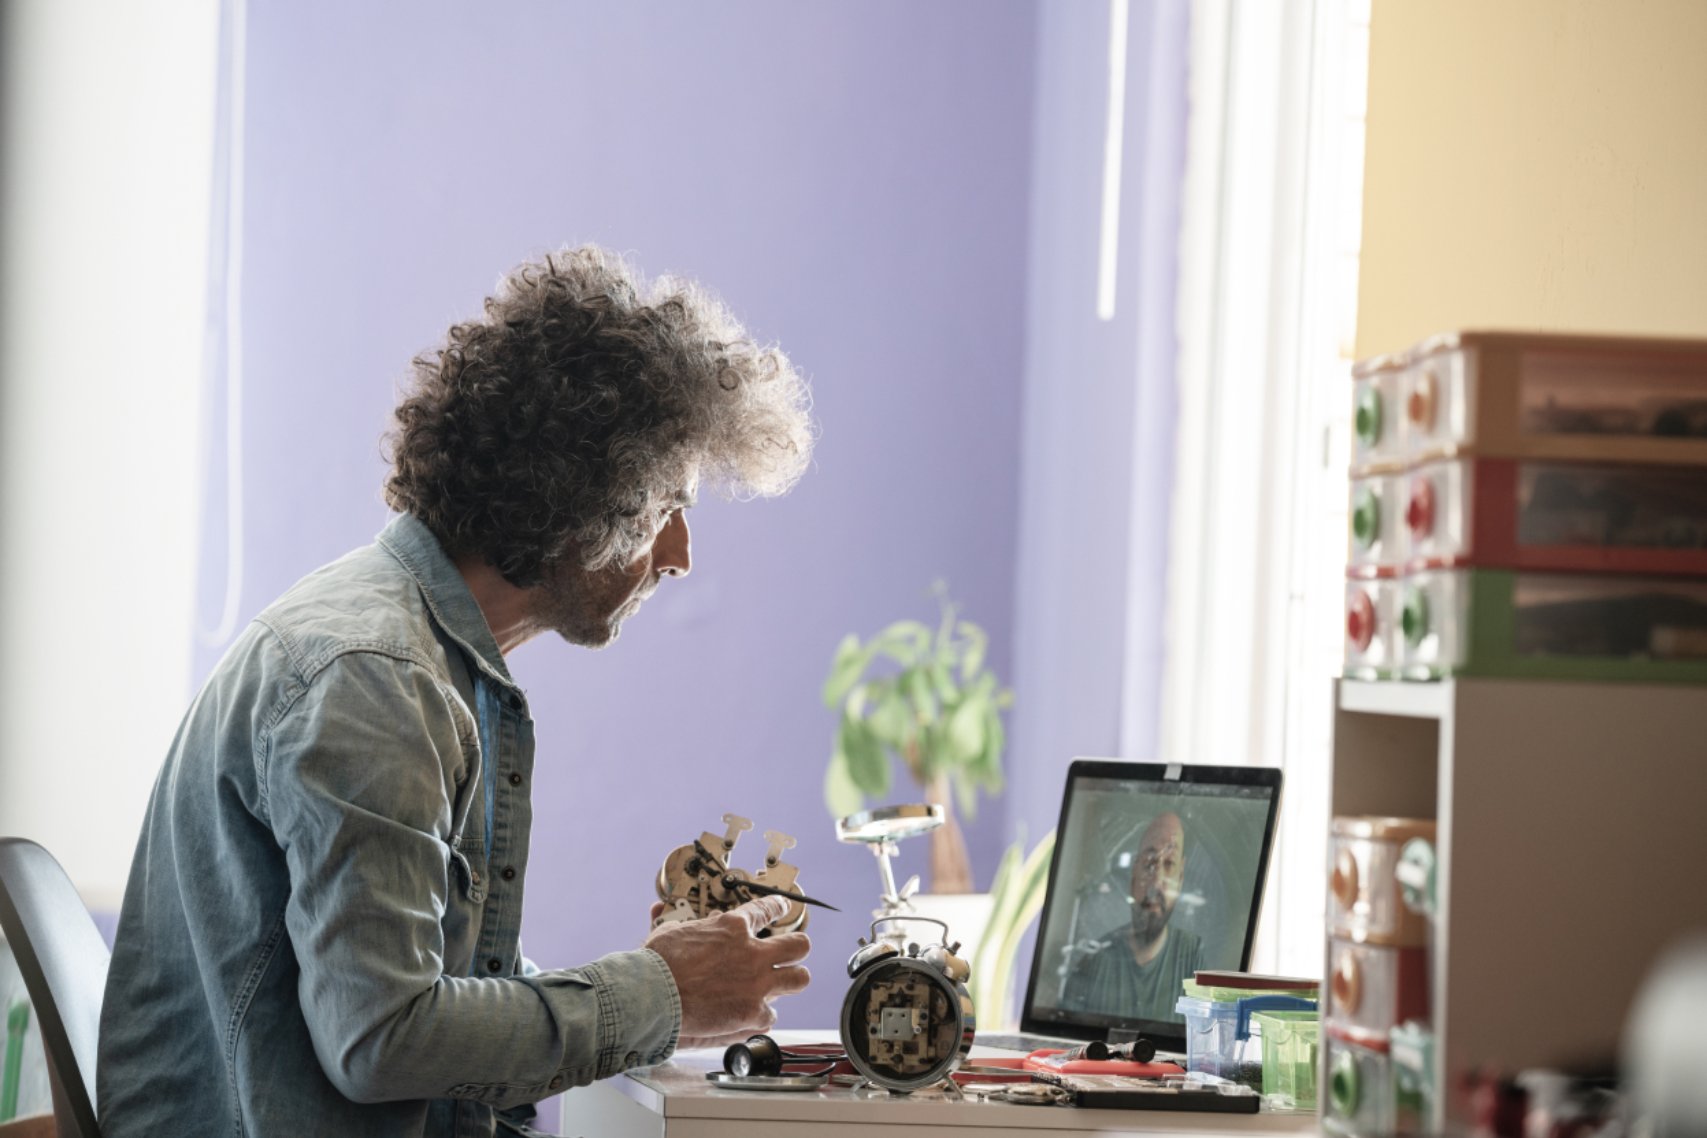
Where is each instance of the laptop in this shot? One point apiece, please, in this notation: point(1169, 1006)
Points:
point(1157, 873)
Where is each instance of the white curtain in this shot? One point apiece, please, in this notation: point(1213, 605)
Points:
point(1243, 679)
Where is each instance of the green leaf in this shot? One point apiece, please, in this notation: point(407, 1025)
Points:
point(966, 730)
point(976, 644)
point(840, 793)
point(1011, 859)
point(944, 682)
point(965, 795)
point(945, 625)
point(868, 765)
point(850, 660)
point(989, 765)
point(1022, 899)
point(906, 641)
point(891, 719)
point(1004, 894)
point(917, 683)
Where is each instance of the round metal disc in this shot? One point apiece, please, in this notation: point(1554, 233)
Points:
point(784, 1082)
point(890, 823)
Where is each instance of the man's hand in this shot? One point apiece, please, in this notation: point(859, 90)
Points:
point(726, 975)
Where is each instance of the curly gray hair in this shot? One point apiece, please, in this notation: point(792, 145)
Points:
point(578, 405)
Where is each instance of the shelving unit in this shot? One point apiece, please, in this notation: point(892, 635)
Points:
point(1571, 849)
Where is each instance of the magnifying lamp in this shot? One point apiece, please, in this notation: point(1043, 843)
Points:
point(881, 829)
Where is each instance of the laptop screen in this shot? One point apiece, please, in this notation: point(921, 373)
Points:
point(1158, 872)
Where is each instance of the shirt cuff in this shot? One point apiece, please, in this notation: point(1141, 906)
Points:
point(640, 1010)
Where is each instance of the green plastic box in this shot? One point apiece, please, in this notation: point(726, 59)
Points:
point(1289, 1042)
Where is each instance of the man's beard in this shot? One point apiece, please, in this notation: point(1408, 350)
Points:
point(1148, 924)
point(587, 608)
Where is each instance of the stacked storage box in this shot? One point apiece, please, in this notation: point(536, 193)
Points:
point(1378, 975)
point(1411, 1042)
point(1521, 505)
point(1529, 505)
point(1220, 1012)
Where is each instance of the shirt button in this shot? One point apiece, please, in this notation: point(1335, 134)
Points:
point(474, 875)
point(632, 1059)
point(556, 1081)
point(494, 965)
point(515, 778)
point(509, 873)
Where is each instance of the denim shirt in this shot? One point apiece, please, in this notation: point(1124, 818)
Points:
point(320, 933)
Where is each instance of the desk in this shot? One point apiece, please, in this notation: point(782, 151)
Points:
point(673, 1100)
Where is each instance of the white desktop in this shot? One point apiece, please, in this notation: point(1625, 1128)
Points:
point(674, 1100)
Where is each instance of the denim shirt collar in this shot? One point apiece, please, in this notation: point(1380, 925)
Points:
point(408, 539)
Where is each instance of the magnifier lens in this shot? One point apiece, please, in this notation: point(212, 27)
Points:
point(738, 1060)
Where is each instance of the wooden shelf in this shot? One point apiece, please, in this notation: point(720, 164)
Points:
point(1568, 814)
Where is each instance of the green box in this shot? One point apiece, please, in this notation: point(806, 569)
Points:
point(1553, 626)
point(1289, 1042)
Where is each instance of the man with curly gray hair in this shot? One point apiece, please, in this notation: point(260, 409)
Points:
point(324, 910)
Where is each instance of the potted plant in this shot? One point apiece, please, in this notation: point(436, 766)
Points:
point(1016, 898)
point(927, 698)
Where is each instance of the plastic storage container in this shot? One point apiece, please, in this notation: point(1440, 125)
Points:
point(1376, 545)
point(1490, 622)
point(1374, 987)
point(1550, 516)
point(1437, 397)
point(1372, 633)
point(1376, 439)
point(1218, 1039)
point(1364, 895)
point(1516, 395)
point(1411, 1047)
point(1359, 1087)
point(1289, 1044)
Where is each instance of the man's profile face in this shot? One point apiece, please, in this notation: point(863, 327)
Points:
point(588, 606)
point(1157, 872)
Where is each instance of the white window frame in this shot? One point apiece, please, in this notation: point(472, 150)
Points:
point(103, 281)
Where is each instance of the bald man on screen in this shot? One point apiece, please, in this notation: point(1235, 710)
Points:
point(1139, 969)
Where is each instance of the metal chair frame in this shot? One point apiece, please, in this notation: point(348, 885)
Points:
point(64, 964)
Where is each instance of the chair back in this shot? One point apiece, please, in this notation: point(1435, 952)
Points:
point(64, 963)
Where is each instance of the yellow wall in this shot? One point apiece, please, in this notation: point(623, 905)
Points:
point(1535, 164)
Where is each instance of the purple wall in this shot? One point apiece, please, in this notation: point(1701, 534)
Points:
point(854, 178)
point(907, 197)
point(1099, 404)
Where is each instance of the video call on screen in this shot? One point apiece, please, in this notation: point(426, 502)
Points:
point(1154, 881)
